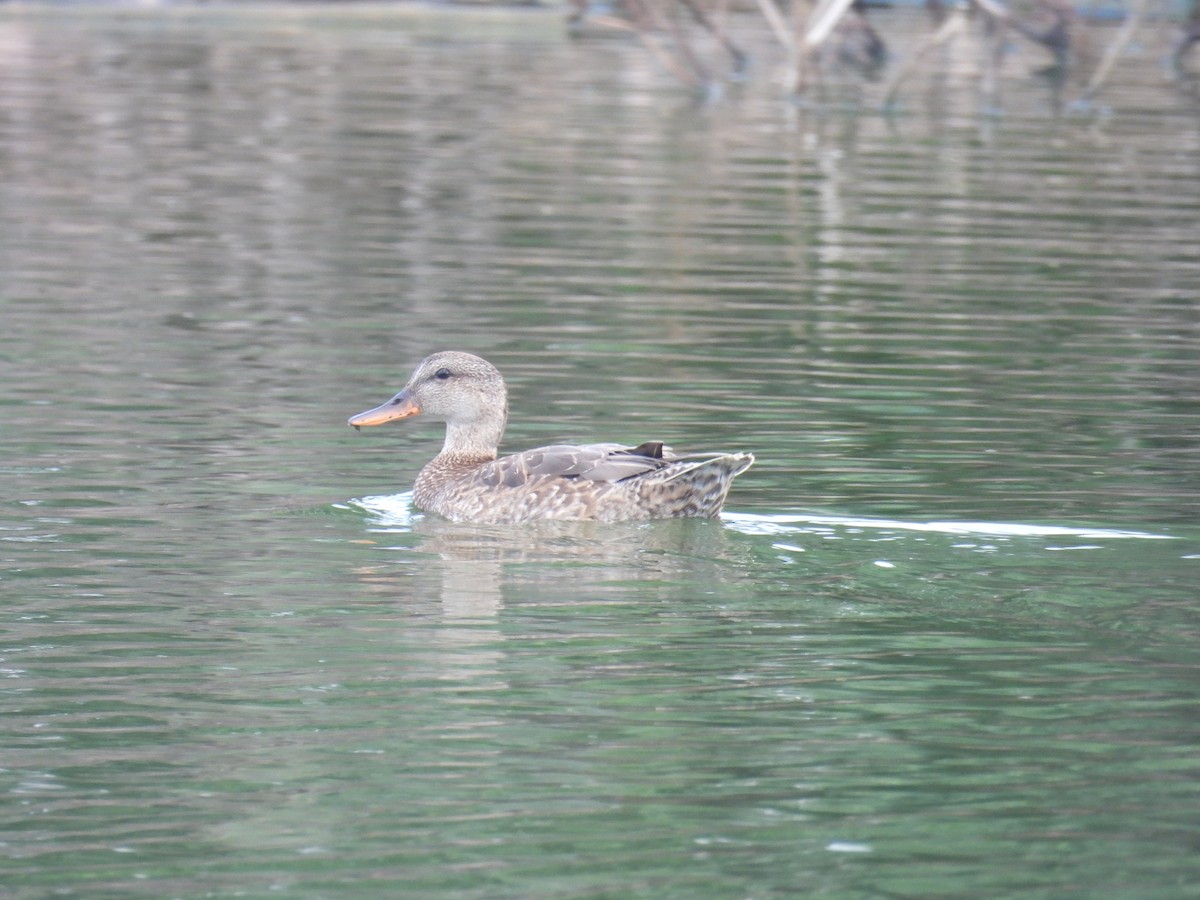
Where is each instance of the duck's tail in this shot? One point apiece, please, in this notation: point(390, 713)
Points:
point(730, 465)
point(694, 485)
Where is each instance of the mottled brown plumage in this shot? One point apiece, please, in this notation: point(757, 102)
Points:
point(603, 482)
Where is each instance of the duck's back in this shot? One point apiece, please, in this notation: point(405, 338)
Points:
point(600, 482)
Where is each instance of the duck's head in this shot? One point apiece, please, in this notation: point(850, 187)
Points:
point(460, 388)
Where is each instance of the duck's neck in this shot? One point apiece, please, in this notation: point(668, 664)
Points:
point(478, 439)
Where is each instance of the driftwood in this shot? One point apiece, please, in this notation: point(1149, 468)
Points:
point(806, 33)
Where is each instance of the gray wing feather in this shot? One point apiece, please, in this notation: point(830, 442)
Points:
point(591, 462)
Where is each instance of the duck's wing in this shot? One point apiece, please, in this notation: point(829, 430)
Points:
point(589, 462)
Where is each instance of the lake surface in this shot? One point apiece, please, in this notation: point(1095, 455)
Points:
point(944, 643)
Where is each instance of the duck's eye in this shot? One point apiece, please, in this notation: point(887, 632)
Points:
point(442, 374)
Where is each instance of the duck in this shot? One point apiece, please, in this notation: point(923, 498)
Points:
point(468, 481)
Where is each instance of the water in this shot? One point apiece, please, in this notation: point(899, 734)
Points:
point(944, 643)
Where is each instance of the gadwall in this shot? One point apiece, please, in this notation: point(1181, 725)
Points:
point(601, 482)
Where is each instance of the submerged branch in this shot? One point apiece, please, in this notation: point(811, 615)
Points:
point(1114, 50)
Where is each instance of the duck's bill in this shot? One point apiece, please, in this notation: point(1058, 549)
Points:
point(399, 407)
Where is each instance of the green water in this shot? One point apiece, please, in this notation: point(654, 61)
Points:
point(945, 643)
